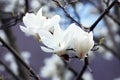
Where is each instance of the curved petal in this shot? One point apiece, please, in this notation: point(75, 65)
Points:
point(91, 35)
point(49, 43)
point(47, 34)
point(46, 49)
point(25, 30)
point(29, 20)
point(68, 36)
point(55, 19)
point(39, 13)
point(58, 33)
point(47, 39)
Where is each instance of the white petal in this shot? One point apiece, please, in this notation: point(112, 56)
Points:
point(91, 39)
point(44, 33)
point(29, 20)
point(47, 39)
point(58, 32)
point(25, 30)
point(49, 43)
point(91, 35)
point(55, 19)
point(68, 36)
point(46, 49)
point(39, 13)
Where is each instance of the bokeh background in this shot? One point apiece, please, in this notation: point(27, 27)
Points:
point(104, 62)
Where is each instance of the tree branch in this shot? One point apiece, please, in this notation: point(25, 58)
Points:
point(102, 15)
point(12, 50)
point(79, 77)
point(71, 69)
point(67, 14)
point(114, 19)
point(26, 6)
point(113, 51)
point(9, 70)
point(109, 15)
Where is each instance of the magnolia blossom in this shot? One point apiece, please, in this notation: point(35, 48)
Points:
point(26, 56)
point(54, 38)
point(73, 37)
point(35, 22)
point(57, 42)
point(13, 66)
point(88, 76)
point(3, 36)
point(82, 41)
point(51, 65)
point(55, 68)
point(2, 68)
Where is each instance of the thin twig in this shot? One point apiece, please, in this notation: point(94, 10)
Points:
point(79, 77)
point(67, 14)
point(102, 15)
point(9, 70)
point(12, 50)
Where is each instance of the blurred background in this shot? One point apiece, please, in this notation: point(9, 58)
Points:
point(104, 62)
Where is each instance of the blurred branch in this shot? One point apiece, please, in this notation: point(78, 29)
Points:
point(109, 49)
point(11, 21)
point(12, 50)
point(102, 15)
point(106, 2)
point(71, 69)
point(67, 65)
point(111, 33)
point(12, 41)
point(9, 70)
point(67, 14)
point(116, 51)
point(114, 19)
point(108, 14)
point(26, 6)
point(79, 77)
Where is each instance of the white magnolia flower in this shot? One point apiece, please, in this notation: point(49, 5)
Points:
point(82, 41)
point(51, 66)
point(26, 56)
point(117, 78)
point(57, 42)
point(13, 66)
point(35, 22)
point(68, 75)
point(88, 76)
point(3, 36)
point(55, 68)
point(2, 68)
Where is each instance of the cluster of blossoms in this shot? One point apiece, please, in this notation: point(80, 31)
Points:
point(55, 39)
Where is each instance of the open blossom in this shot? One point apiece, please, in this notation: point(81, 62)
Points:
point(82, 41)
point(61, 40)
point(57, 42)
point(35, 22)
